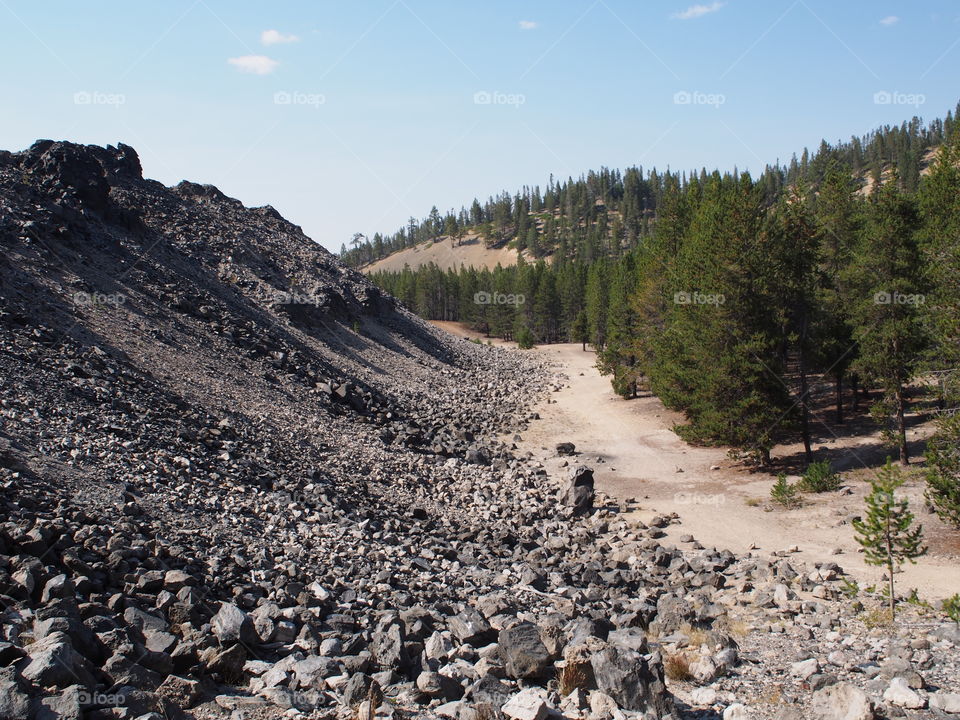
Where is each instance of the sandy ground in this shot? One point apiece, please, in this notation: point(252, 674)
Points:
point(445, 254)
point(635, 454)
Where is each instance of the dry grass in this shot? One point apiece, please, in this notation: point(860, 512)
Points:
point(677, 667)
point(570, 677)
point(696, 637)
point(772, 696)
point(753, 502)
point(880, 617)
point(739, 629)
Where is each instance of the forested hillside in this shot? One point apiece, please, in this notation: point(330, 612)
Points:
point(607, 212)
point(728, 296)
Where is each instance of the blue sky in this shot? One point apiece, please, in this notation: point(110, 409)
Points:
point(351, 117)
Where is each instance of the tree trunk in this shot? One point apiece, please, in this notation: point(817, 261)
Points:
point(889, 540)
point(901, 427)
point(854, 382)
point(893, 602)
point(839, 382)
point(805, 410)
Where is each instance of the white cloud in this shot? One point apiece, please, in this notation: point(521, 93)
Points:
point(890, 20)
point(695, 11)
point(528, 24)
point(275, 37)
point(256, 64)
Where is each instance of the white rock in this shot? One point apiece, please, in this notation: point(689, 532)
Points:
point(705, 670)
point(781, 596)
point(336, 682)
point(319, 592)
point(902, 695)
point(438, 646)
point(451, 709)
point(737, 711)
point(703, 696)
point(526, 705)
point(838, 658)
point(604, 707)
point(948, 702)
point(840, 702)
point(804, 668)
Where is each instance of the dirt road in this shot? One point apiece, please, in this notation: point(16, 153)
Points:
point(635, 454)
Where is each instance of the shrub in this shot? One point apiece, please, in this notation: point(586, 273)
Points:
point(820, 477)
point(887, 533)
point(951, 606)
point(570, 677)
point(850, 588)
point(677, 667)
point(783, 493)
point(525, 339)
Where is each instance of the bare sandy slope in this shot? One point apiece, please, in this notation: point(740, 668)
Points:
point(446, 254)
point(642, 458)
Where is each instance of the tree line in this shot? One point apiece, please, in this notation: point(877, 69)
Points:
point(738, 305)
point(609, 211)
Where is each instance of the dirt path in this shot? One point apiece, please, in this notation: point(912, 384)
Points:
point(634, 454)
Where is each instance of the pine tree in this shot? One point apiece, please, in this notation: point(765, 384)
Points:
point(718, 359)
point(943, 472)
point(596, 303)
point(793, 249)
point(939, 201)
point(885, 281)
point(580, 331)
point(836, 219)
point(939, 205)
point(887, 534)
point(618, 358)
point(524, 337)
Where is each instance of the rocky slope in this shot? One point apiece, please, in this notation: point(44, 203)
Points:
point(238, 481)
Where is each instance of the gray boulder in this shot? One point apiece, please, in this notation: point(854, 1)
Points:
point(232, 625)
point(522, 650)
point(471, 628)
point(634, 681)
point(577, 493)
point(54, 663)
point(436, 685)
point(841, 702)
point(14, 701)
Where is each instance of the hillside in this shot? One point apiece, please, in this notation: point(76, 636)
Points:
point(447, 254)
point(607, 212)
